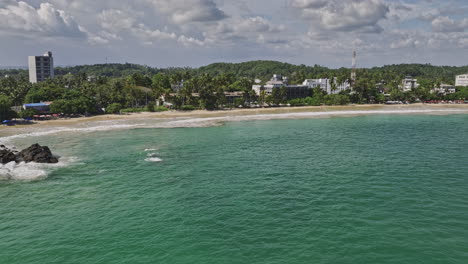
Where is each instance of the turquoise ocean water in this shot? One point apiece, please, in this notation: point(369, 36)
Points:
point(370, 189)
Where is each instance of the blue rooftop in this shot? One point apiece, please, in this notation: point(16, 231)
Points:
point(35, 105)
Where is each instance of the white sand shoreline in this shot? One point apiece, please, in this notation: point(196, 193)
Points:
point(174, 119)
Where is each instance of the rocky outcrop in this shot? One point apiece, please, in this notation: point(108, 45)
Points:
point(6, 156)
point(35, 153)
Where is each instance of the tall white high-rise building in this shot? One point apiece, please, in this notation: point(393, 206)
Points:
point(41, 68)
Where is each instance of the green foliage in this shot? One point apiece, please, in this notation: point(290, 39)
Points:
point(461, 94)
point(313, 101)
point(308, 101)
point(243, 84)
point(188, 108)
point(43, 92)
point(108, 70)
point(15, 88)
point(255, 69)
point(28, 113)
point(5, 108)
point(161, 109)
point(113, 108)
point(278, 95)
point(79, 105)
point(297, 102)
point(151, 106)
point(380, 98)
point(133, 110)
point(336, 99)
point(161, 81)
point(133, 86)
point(239, 102)
point(143, 109)
point(139, 79)
point(61, 106)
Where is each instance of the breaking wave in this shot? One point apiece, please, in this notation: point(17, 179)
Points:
point(55, 130)
point(31, 171)
point(182, 122)
point(153, 159)
point(150, 149)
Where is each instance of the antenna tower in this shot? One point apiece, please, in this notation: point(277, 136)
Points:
point(353, 71)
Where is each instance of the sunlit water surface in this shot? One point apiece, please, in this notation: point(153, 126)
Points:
point(372, 189)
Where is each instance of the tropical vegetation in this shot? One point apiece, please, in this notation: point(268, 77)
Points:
point(125, 88)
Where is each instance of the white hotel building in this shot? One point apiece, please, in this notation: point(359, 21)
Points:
point(409, 84)
point(461, 80)
point(279, 81)
point(41, 68)
point(326, 86)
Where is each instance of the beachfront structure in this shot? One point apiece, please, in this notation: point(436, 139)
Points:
point(409, 84)
point(280, 82)
point(177, 87)
point(38, 107)
point(301, 90)
point(41, 68)
point(91, 78)
point(461, 80)
point(277, 81)
point(323, 84)
point(326, 85)
point(444, 89)
point(382, 88)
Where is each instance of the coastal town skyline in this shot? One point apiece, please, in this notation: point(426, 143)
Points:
point(171, 33)
point(233, 131)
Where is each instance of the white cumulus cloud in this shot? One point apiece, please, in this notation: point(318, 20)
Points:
point(344, 16)
point(181, 11)
point(20, 17)
point(446, 24)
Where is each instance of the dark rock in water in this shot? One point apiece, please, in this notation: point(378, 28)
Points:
point(7, 156)
point(36, 153)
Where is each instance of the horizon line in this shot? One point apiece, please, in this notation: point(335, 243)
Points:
point(22, 67)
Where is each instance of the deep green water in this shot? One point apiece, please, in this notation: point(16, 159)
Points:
point(374, 189)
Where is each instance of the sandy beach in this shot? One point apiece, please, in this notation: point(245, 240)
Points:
point(206, 118)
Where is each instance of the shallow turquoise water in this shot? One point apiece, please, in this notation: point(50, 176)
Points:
point(374, 189)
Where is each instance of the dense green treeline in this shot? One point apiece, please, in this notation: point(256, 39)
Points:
point(131, 88)
point(261, 70)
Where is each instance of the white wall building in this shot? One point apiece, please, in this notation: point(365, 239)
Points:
point(409, 84)
point(323, 84)
point(444, 89)
point(461, 80)
point(277, 81)
point(178, 87)
point(326, 86)
point(41, 68)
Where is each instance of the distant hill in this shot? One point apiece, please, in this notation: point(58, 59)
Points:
point(264, 70)
point(109, 70)
point(13, 67)
point(260, 69)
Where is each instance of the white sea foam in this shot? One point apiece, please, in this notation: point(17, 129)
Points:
point(196, 122)
point(153, 159)
point(179, 122)
point(31, 171)
point(150, 149)
point(54, 130)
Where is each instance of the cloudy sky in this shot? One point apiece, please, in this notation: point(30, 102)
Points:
point(198, 32)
